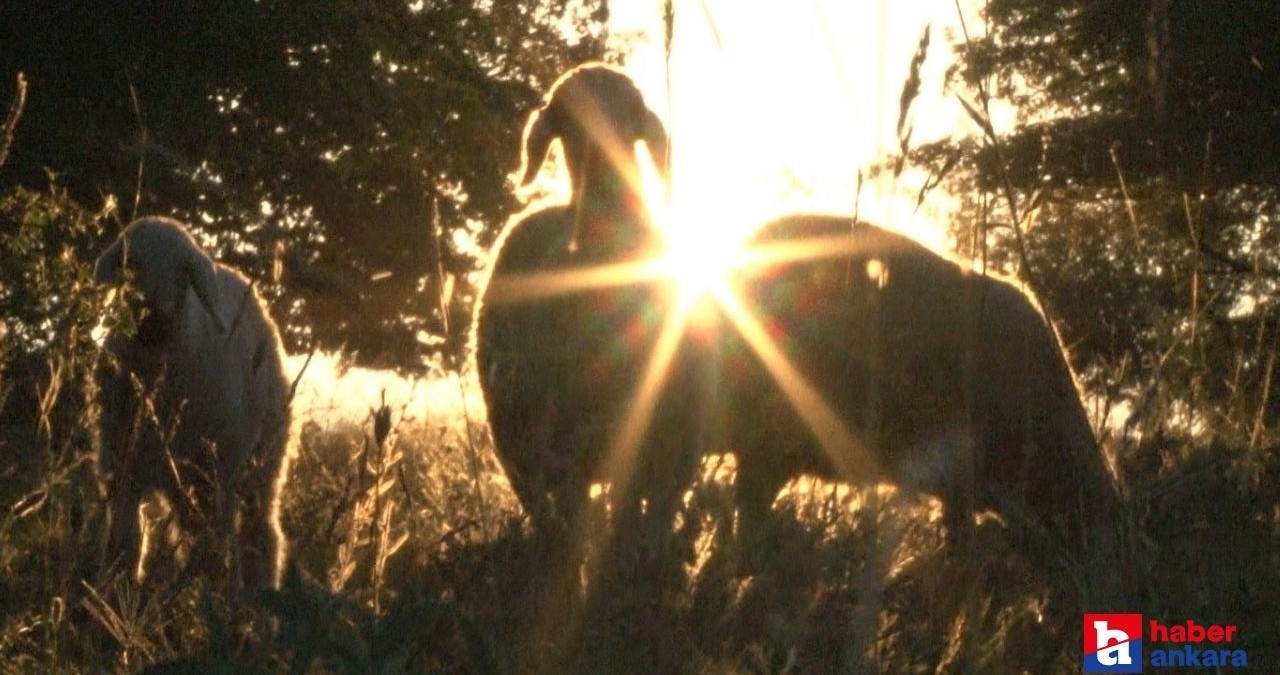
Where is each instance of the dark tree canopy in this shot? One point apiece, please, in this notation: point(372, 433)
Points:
point(347, 150)
point(1184, 90)
point(1142, 177)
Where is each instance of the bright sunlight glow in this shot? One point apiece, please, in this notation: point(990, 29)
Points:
point(772, 108)
point(775, 111)
point(699, 255)
point(757, 132)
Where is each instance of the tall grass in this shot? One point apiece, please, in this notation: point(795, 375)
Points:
point(394, 569)
point(409, 553)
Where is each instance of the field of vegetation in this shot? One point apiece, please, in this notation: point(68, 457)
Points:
point(1154, 254)
point(409, 553)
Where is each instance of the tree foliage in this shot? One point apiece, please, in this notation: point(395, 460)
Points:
point(1136, 192)
point(349, 151)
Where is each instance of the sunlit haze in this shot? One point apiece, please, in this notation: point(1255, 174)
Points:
point(328, 391)
point(776, 109)
point(771, 110)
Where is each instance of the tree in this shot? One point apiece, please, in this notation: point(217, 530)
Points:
point(345, 153)
point(1137, 192)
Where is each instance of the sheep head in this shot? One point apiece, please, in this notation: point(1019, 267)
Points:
point(598, 114)
point(163, 261)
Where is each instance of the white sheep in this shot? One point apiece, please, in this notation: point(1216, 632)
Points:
point(557, 372)
point(194, 405)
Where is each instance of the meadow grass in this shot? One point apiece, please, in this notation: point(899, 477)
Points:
point(408, 552)
point(407, 555)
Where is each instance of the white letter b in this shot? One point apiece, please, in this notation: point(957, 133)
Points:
point(1116, 655)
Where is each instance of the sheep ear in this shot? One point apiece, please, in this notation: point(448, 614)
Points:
point(537, 142)
point(654, 135)
point(106, 270)
point(203, 277)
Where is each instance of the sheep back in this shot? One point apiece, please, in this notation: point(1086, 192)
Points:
point(953, 380)
point(521, 360)
point(555, 370)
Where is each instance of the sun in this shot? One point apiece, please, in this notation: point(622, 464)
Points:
point(769, 113)
point(704, 232)
point(698, 258)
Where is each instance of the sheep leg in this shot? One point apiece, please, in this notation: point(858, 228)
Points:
point(959, 496)
point(259, 541)
point(756, 487)
point(124, 534)
point(121, 423)
point(163, 548)
point(187, 523)
point(957, 515)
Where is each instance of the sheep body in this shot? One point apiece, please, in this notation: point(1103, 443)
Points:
point(520, 358)
point(937, 379)
point(940, 380)
point(947, 381)
point(194, 403)
point(557, 371)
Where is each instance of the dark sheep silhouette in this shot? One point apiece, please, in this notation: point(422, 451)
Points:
point(931, 376)
point(558, 371)
point(906, 367)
